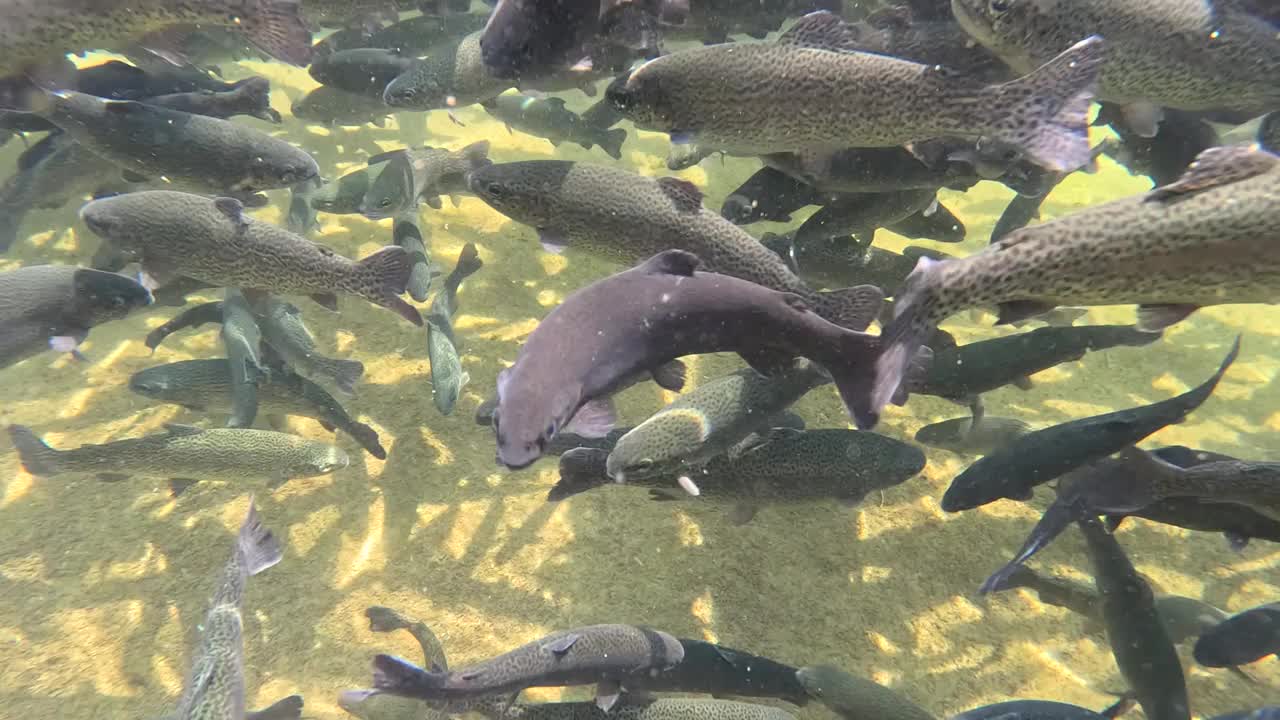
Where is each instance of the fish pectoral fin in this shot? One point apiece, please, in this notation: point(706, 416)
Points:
point(594, 419)
point(1216, 167)
point(768, 361)
point(327, 300)
point(111, 477)
point(743, 512)
point(233, 209)
point(1023, 383)
point(607, 692)
point(1155, 318)
point(177, 486)
point(670, 376)
point(1015, 310)
point(562, 645)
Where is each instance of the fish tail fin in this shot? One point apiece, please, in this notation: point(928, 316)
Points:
point(345, 373)
point(469, 261)
point(852, 307)
point(259, 547)
point(278, 29)
point(580, 470)
point(611, 142)
point(385, 276)
point(256, 92)
point(368, 439)
point(396, 676)
point(289, 708)
point(1046, 112)
point(900, 344)
point(851, 371)
point(37, 457)
point(477, 154)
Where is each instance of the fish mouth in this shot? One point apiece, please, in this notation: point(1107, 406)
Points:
point(350, 700)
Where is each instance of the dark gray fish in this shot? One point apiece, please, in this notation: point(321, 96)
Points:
point(212, 239)
point(251, 96)
point(115, 80)
point(1165, 157)
point(627, 217)
point(1269, 132)
point(1043, 710)
point(861, 214)
point(214, 689)
point(371, 705)
point(856, 98)
point(241, 338)
point(630, 708)
point(1041, 456)
point(961, 374)
point(1243, 638)
point(900, 30)
point(301, 218)
point(415, 36)
point(205, 385)
point(839, 262)
point(344, 196)
point(420, 174)
point(447, 376)
point(406, 232)
point(641, 319)
point(186, 453)
point(362, 71)
point(935, 222)
point(966, 437)
point(1238, 523)
point(853, 698)
point(203, 154)
point(608, 655)
point(1141, 645)
point(330, 106)
point(549, 118)
point(1210, 231)
point(451, 75)
point(771, 195)
point(1271, 712)
point(46, 307)
point(191, 317)
point(602, 115)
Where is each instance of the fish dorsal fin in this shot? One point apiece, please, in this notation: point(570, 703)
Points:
point(686, 196)
point(385, 156)
point(232, 208)
point(562, 645)
point(1216, 167)
point(891, 18)
point(821, 30)
point(671, 262)
point(180, 430)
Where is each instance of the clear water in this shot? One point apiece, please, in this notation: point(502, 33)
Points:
point(103, 586)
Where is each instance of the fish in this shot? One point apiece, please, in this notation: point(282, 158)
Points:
point(361, 71)
point(194, 152)
point(842, 261)
point(1211, 251)
point(212, 239)
point(214, 687)
point(184, 454)
point(607, 655)
point(406, 232)
point(116, 80)
point(626, 217)
point(420, 174)
point(1044, 710)
point(904, 31)
point(451, 75)
point(965, 437)
point(526, 37)
point(410, 37)
point(251, 96)
point(284, 331)
point(725, 672)
point(37, 32)
point(1241, 639)
point(301, 218)
point(1189, 56)
point(708, 421)
point(331, 107)
point(371, 705)
point(602, 115)
point(861, 214)
point(344, 195)
point(205, 385)
point(640, 320)
point(856, 98)
point(549, 118)
point(769, 194)
point(1141, 645)
point(1043, 455)
point(851, 697)
point(46, 307)
point(447, 376)
point(961, 374)
point(241, 338)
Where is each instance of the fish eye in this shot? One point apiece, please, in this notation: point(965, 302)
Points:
point(1000, 7)
point(117, 301)
point(493, 189)
point(385, 202)
point(644, 464)
point(551, 429)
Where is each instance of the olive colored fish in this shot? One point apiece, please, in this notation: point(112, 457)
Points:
point(607, 334)
point(964, 436)
point(861, 214)
point(1182, 54)
point(1041, 456)
point(1202, 241)
point(205, 385)
point(251, 96)
point(55, 306)
point(116, 80)
point(769, 194)
point(607, 655)
point(420, 174)
point(855, 98)
point(852, 697)
point(447, 376)
point(363, 71)
point(782, 466)
point(193, 152)
point(331, 106)
point(371, 705)
point(708, 421)
point(725, 672)
point(344, 195)
point(410, 37)
point(184, 454)
point(35, 32)
point(843, 261)
point(1141, 645)
point(1243, 638)
point(241, 338)
point(1164, 157)
point(285, 332)
point(627, 217)
point(1043, 710)
point(549, 118)
point(214, 688)
point(213, 240)
point(523, 37)
point(451, 75)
